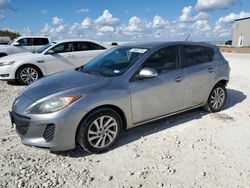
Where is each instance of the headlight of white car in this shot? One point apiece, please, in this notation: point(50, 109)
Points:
point(53, 105)
point(3, 63)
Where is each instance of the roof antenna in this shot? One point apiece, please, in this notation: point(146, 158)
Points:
point(187, 37)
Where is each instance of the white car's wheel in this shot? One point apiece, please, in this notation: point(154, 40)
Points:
point(27, 75)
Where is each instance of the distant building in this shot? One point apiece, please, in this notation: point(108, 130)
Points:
point(241, 32)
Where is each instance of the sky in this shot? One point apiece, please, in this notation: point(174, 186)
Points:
point(124, 20)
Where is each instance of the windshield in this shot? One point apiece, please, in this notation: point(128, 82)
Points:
point(45, 47)
point(11, 42)
point(114, 62)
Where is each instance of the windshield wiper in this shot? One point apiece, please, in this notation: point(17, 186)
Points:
point(96, 73)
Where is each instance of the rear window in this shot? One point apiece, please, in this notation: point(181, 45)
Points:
point(195, 55)
point(40, 41)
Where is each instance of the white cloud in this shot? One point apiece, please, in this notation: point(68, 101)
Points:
point(46, 28)
point(57, 21)
point(210, 5)
point(44, 12)
point(159, 22)
point(202, 16)
point(186, 14)
point(82, 10)
point(202, 26)
point(87, 23)
point(231, 17)
point(134, 24)
point(106, 19)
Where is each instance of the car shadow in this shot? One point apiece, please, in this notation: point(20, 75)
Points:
point(234, 97)
point(14, 83)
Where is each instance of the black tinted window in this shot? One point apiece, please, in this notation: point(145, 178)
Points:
point(163, 60)
point(40, 41)
point(83, 46)
point(25, 42)
point(195, 55)
point(65, 47)
point(97, 47)
point(209, 52)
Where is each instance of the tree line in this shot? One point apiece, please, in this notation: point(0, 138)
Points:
point(8, 33)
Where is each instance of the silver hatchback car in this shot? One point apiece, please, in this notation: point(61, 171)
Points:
point(124, 87)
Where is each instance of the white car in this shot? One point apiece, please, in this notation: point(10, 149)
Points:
point(53, 57)
point(23, 44)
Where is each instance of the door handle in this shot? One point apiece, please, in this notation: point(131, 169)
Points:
point(210, 70)
point(178, 78)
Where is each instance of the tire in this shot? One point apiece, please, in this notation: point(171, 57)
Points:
point(28, 74)
point(98, 141)
point(217, 98)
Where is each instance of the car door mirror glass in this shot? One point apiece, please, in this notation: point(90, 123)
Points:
point(51, 52)
point(148, 73)
point(16, 44)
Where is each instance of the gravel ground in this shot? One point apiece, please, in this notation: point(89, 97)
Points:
point(193, 149)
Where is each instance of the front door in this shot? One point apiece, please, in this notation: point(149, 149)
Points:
point(162, 95)
point(62, 58)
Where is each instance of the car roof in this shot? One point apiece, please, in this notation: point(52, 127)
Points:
point(155, 44)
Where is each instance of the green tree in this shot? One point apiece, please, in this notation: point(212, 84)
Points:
point(10, 34)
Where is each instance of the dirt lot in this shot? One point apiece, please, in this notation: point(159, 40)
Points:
point(193, 149)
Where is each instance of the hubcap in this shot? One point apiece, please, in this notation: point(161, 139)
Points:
point(217, 98)
point(102, 131)
point(29, 75)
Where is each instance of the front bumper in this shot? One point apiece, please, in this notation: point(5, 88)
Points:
point(55, 131)
point(6, 72)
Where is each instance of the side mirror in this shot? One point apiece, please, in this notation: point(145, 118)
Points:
point(16, 44)
point(50, 52)
point(148, 73)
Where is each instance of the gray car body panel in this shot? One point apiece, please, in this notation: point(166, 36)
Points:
point(140, 100)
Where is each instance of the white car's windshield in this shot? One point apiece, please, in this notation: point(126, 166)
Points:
point(45, 47)
point(11, 42)
point(114, 62)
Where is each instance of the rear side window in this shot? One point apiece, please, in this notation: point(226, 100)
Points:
point(40, 41)
point(195, 55)
point(83, 46)
point(164, 60)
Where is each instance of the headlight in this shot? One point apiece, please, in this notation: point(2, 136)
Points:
point(53, 105)
point(3, 63)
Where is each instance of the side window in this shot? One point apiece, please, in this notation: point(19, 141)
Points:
point(64, 47)
point(40, 41)
point(97, 47)
point(81, 46)
point(209, 52)
point(195, 55)
point(164, 60)
point(25, 42)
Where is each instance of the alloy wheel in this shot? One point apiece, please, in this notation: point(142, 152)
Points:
point(102, 131)
point(29, 75)
point(217, 98)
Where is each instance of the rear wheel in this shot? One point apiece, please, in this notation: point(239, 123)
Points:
point(28, 74)
point(100, 130)
point(217, 98)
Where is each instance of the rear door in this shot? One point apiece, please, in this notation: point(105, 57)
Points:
point(199, 73)
point(86, 51)
point(155, 97)
point(61, 59)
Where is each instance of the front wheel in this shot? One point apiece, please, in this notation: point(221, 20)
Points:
point(100, 130)
point(217, 98)
point(27, 75)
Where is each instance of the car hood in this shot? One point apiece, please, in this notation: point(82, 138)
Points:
point(63, 82)
point(25, 56)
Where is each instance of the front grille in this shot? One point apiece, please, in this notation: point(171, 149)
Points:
point(49, 132)
point(21, 122)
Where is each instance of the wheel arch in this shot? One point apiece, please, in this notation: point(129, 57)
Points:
point(26, 65)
